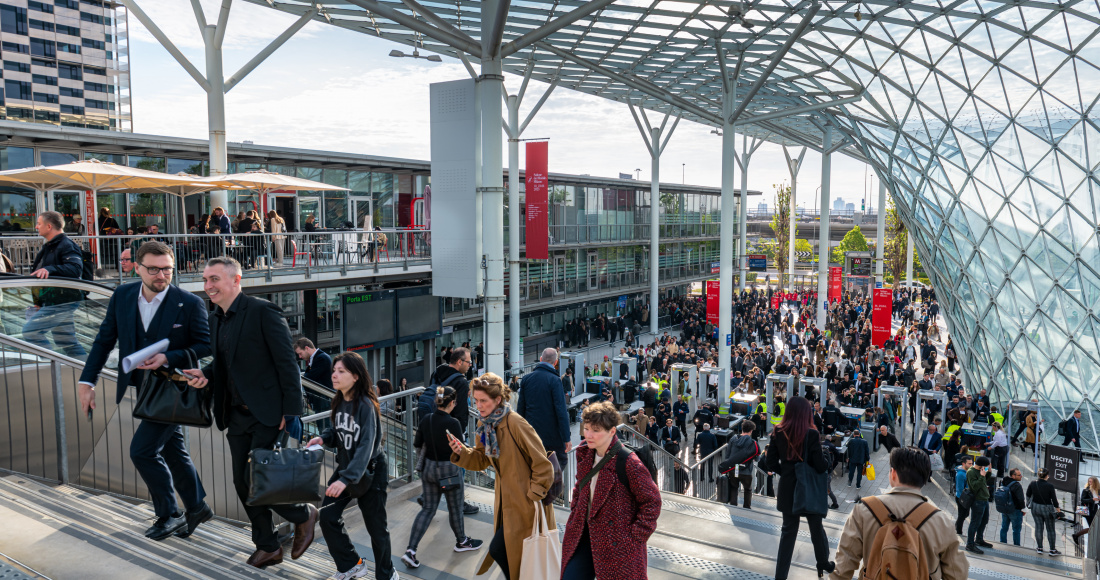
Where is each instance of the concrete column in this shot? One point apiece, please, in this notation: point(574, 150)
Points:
point(880, 244)
point(794, 230)
point(515, 353)
point(309, 314)
point(823, 229)
point(655, 226)
point(490, 85)
point(743, 213)
point(908, 256)
point(725, 275)
point(215, 114)
point(428, 362)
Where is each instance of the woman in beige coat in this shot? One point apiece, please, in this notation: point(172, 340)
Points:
point(508, 444)
point(278, 240)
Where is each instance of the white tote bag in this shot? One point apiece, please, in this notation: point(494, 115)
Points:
point(541, 551)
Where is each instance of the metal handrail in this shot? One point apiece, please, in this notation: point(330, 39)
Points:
point(52, 356)
point(20, 281)
point(390, 397)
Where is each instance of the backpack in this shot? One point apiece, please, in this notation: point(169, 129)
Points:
point(425, 405)
point(827, 452)
point(643, 454)
point(897, 551)
point(87, 268)
point(1061, 428)
point(737, 460)
point(1003, 500)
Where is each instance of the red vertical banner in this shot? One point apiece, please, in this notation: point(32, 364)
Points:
point(713, 302)
point(836, 291)
point(775, 301)
point(538, 209)
point(90, 223)
point(882, 307)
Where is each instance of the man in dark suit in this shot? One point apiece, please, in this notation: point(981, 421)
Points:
point(318, 362)
point(139, 315)
point(1073, 430)
point(931, 441)
point(255, 388)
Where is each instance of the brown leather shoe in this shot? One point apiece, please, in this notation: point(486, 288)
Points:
point(260, 558)
point(303, 533)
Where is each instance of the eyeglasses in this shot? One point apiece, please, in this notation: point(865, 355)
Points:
point(468, 361)
point(154, 271)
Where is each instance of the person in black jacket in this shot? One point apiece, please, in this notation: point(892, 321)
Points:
point(255, 389)
point(542, 402)
point(859, 453)
point(54, 307)
point(705, 444)
point(431, 437)
point(1044, 506)
point(318, 362)
point(1016, 516)
point(459, 362)
point(361, 473)
point(1072, 429)
point(796, 441)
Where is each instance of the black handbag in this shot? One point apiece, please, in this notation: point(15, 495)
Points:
point(284, 476)
point(811, 489)
point(165, 397)
point(451, 481)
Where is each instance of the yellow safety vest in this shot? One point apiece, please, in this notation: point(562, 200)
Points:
point(776, 418)
point(760, 407)
point(950, 430)
point(998, 418)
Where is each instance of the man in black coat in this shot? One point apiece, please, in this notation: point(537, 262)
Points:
point(255, 388)
point(859, 453)
point(139, 315)
point(705, 444)
point(318, 362)
point(1073, 430)
point(542, 403)
point(54, 307)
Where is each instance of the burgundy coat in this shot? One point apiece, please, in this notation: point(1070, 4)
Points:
point(621, 520)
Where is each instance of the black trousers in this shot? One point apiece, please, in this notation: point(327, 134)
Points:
point(742, 481)
point(789, 535)
point(499, 551)
point(161, 458)
point(963, 514)
point(244, 433)
point(372, 504)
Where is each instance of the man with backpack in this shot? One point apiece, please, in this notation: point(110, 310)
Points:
point(1009, 500)
point(737, 465)
point(900, 532)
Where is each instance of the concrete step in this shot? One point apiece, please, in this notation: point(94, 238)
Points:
point(116, 528)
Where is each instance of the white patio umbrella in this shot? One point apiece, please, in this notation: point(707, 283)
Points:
point(194, 184)
point(90, 175)
point(263, 181)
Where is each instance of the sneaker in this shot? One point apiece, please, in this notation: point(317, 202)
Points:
point(409, 558)
point(1039, 551)
point(469, 509)
point(985, 544)
point(1055, 553)
point(468, 544)
point(357, 571)
point(849, 484)
point(859, 485)
point(974, 549)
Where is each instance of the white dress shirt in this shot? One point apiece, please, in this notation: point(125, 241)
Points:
point(147, 309)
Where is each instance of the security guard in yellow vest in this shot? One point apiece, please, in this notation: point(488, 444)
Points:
point(780, 408)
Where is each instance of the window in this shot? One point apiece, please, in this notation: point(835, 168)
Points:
point(68, 124)
point(95, 104)
point(95, 18)
point(45, 63)
point(69, 48)
point(72, 110)
point(41, 25)
point(17, 90)
point(71, 92)
point(44, 80)
point(23, 67)
point(45, 98)
point(70, 4)
point(70, 30)
point(40, 7)
point(13, 20)
point(15, 47)
point(96, 87)
point(89, 43)
point(47, 116)
point(42, 47)
point(20, 113)
point(69, 71)
point(95, 70)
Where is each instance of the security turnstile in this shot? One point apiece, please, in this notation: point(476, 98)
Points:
point(903, 395)
point(572, 359)
point(777, 385)
point(923, 398)
point(691, 383)
point(721, 378)
point(1014, 407)
point(631, 368)
point(813, 386)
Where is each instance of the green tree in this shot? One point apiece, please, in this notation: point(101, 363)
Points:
point(897, 238)
point(781, 225)
point(853, 241)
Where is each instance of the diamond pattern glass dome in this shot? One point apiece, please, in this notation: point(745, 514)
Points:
point(980, 116)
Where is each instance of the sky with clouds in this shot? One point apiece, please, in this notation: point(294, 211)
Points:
point(335, 90)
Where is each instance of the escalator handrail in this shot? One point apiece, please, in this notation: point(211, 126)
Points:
point(8, 340)
point(21, 281)
point(381, 400)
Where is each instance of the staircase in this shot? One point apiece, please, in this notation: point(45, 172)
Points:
point(103, 536)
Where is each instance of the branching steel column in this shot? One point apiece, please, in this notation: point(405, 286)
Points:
point(215, 116)
point(654, 227)
point(880, 244)
point(908, 256)
point(794, 166)
point(823, 229)
point(515, 353)
point(725, 237)
point(491, 86)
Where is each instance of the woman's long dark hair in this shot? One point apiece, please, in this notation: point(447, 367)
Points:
point(362, 387)
point(798, 418)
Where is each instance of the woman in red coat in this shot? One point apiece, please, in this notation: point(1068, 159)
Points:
point(610, 522)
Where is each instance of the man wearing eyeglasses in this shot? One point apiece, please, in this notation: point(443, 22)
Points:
point(139, 315)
